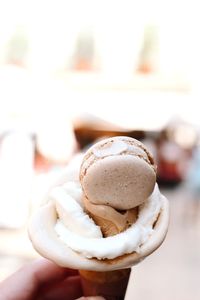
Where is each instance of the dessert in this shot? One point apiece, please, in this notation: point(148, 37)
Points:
point(108, 221)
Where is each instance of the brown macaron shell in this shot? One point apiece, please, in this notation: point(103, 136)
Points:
point(118, 172)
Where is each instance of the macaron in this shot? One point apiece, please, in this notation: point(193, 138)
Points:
point(119, 172)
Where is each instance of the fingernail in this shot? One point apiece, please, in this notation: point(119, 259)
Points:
point(95, 298)
point(91, 298)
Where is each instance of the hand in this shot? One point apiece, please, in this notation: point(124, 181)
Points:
point(42, 280)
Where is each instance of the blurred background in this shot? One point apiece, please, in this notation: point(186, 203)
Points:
point(72, 72)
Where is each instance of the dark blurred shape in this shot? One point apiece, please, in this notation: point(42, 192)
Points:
point(88, 130)
point(86, 135)
point(174, 152)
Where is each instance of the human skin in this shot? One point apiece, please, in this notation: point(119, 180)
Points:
point(41, 280)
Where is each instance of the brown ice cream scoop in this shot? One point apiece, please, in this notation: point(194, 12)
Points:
point(109, 219)
point(119, 172)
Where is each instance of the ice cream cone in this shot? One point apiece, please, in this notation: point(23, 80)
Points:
point(111, 285)
point(129, 217)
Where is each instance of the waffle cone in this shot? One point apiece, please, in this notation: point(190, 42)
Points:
point(111, 285)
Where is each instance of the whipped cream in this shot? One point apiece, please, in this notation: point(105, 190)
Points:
point(79, 232)
point(71, 214)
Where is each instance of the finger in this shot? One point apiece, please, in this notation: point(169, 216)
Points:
point(68, 289)
point(25, 283)
point(45, 271)
point(18, 286)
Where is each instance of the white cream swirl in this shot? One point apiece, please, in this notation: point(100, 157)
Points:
point(79, 232)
